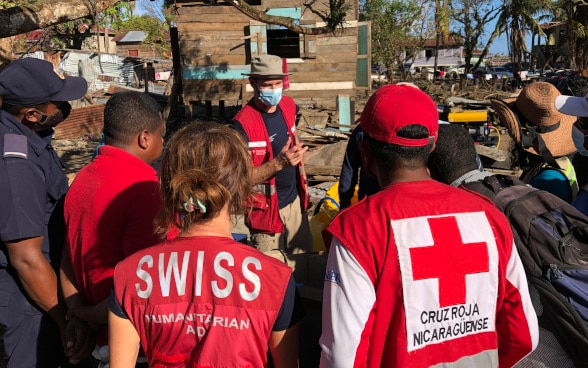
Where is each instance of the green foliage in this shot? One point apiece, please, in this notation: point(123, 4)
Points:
point(155, 29)
point(68, 36)
point(118, 14)
point(517, 19)
point(399, 28)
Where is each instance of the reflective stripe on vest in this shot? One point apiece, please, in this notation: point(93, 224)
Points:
point(570, 171)
point(266, 189)
point(257, 144)
point(566, 167)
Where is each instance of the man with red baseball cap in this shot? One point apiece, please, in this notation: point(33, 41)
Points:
point(32, 186)
point(420, 274)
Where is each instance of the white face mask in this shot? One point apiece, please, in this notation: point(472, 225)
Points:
point(578, 138)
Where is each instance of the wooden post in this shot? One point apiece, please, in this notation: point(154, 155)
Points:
point(146, 77)
point(344, 109)
point(221, 108)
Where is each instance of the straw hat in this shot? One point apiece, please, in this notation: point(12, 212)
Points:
point(532, 119)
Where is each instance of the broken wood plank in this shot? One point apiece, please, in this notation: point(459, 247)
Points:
point(322, 170)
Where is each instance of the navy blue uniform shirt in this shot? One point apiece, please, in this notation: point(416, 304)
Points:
point(32, 184)
point(352, 169)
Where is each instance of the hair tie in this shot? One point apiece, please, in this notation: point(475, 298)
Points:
point(189, 206)
point(201, 205)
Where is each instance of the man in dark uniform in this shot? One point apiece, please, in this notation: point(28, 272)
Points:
point(32, 183)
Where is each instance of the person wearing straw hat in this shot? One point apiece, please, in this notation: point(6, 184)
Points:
point(578, 106)
point(543, 138)
point(277, 218)
point(453, 162)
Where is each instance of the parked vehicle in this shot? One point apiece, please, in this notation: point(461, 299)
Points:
point(379, 69)
point(408, 68)
point(379, 72)
point(499, 71)
point(454, 71)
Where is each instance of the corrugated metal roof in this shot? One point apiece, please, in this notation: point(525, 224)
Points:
point(85, 63)
point(111, 66)
point(134, 36)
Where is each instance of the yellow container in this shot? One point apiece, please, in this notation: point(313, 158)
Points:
point(468, 116)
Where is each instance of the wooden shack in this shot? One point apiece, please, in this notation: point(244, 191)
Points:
point(216, 43)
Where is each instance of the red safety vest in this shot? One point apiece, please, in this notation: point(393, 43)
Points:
point(427, 309)
point(202, 302)
point(263, 214)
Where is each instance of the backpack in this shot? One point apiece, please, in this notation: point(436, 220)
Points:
point(551, 237)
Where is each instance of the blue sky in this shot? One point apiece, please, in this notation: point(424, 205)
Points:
point(149, 7)
point(499, 46)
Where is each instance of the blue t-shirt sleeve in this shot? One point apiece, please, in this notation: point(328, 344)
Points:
point(115, 307)
point(554, 182)
point(292, 309)
point(238, 127)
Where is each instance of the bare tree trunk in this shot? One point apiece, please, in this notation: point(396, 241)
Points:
point(437, 35)
point(6, 45)
point(97, 25)
point(106, 27)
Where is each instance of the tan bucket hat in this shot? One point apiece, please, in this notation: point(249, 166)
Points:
point(266, 66)
point(533, 121)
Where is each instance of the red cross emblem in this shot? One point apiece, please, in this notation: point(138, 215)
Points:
point(449, 260)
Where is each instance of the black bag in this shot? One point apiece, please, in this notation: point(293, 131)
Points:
point(552, 241)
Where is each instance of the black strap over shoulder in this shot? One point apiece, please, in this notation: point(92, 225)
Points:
point(491, 185)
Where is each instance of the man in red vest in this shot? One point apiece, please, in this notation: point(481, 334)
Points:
point(277, 218)
point(420, 274)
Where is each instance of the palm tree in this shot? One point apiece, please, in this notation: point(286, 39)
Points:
point(576, 18)
point(517, 19)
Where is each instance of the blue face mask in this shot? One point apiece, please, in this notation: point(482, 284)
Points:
point(270, 97)
point(578, 138)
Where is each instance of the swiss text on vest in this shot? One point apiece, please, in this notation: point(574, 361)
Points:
point(174, 266)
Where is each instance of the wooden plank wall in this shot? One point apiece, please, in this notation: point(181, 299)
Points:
point(144, 50)
point(216, 35)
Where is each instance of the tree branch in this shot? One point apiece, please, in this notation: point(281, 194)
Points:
point(335, 20)
point(43, 14)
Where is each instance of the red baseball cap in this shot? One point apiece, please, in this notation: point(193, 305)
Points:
point(393, 107)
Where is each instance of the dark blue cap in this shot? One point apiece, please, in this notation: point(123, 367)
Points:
point(30, 82)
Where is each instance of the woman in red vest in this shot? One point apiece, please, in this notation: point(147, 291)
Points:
point(203, 299)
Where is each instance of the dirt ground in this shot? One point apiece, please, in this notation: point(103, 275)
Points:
point(74, 153)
